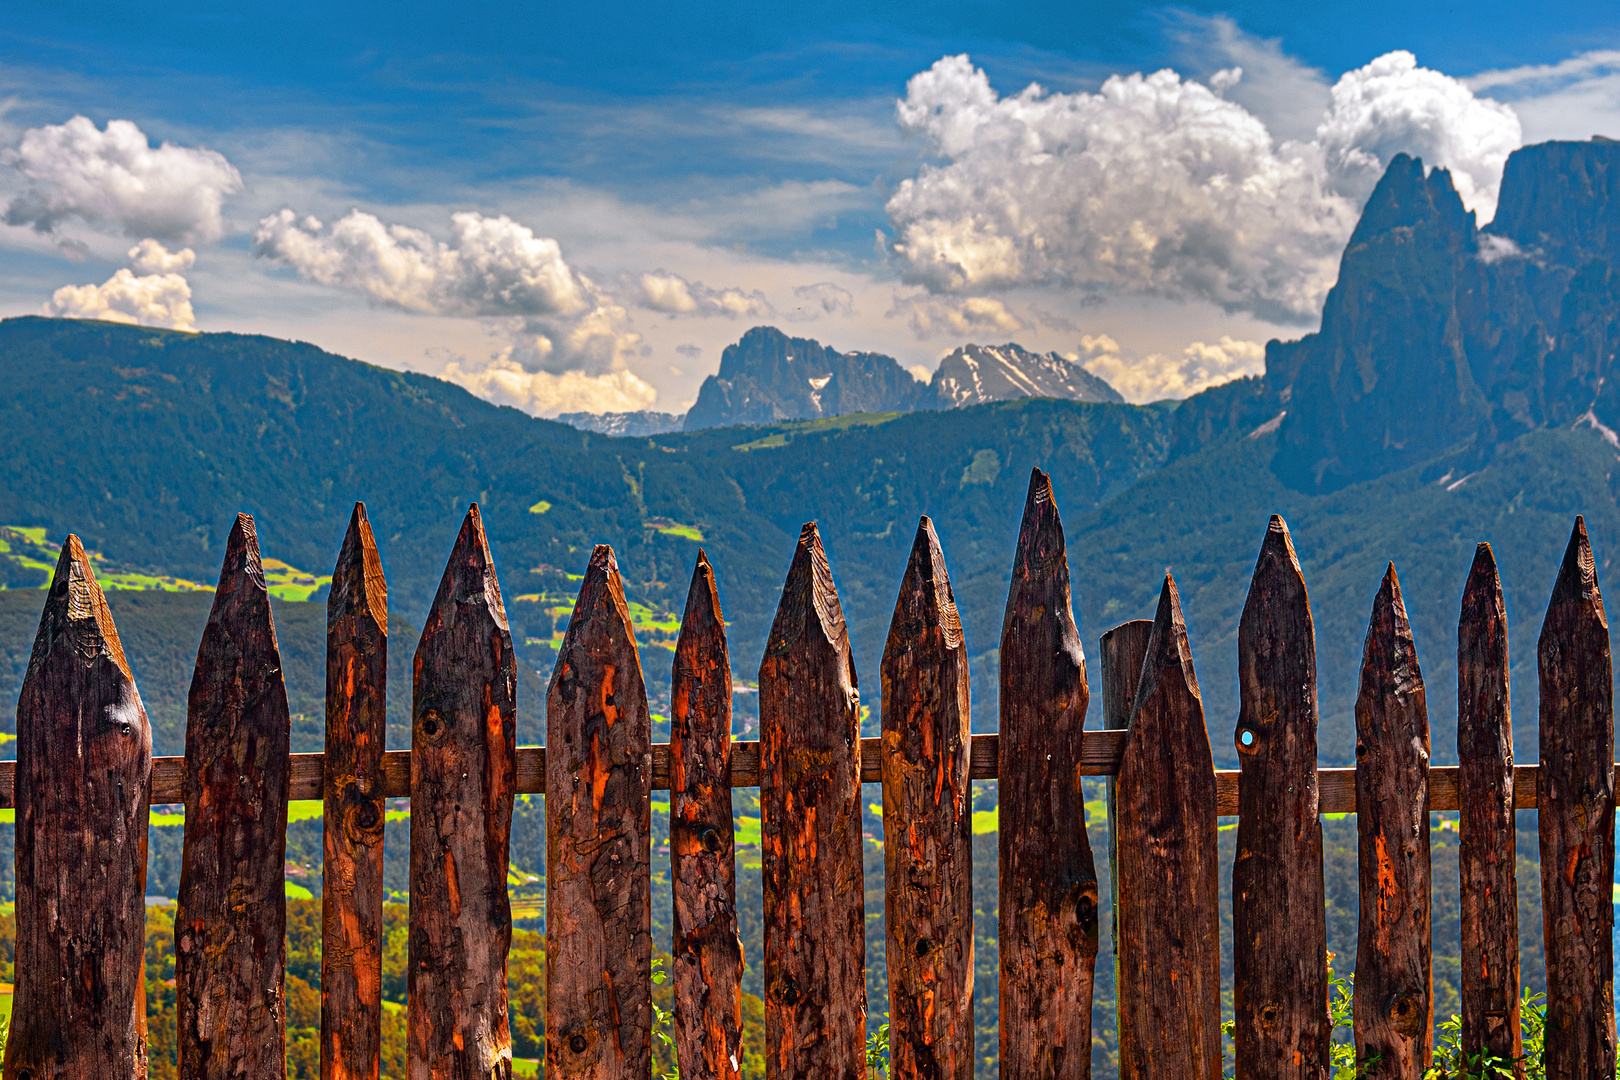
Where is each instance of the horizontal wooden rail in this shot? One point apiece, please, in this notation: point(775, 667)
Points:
point(1099, 756)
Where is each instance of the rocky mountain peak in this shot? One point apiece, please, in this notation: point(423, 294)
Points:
point(975, 374)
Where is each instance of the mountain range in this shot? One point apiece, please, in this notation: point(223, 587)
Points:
point(768, 377)
point(1405, 429)
point(1456, 391)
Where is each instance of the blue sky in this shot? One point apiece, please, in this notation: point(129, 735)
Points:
point(579, 206)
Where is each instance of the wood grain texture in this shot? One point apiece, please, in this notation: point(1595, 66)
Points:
point(1120, 653)
point(84, 752)
point(1169, 926)
point(1279, 915)
point(1394, 1005)
point(928, 825)
point(598, 841)
point(463, 776)
point(1575, 792)
point(356, 736)
point(1048, 887)
point(231, 919)
point(1490, 898)
point(707, 950)
point(810, 806)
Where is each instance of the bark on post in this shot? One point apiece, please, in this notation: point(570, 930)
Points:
point(231, 921)
point(928, 825)
point(1048, 920)
point(1279, 915)
point(1120, 653)
point(356, 734)
point(463, 777)
point(598, 841)
point(1490, 898)
point(810, 806)
point(1394, 1004)
point(1575, 794)
point(708, 951)
point(1169, 927)
point(84, 755)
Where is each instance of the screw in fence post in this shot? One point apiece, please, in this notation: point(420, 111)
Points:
point(463, 778)
point(84, 756)
point(598, 841)
point(1394, 1002)
point(230, 923)
point(810, 807)
point(1169, 926)
point(928, 825)
point(1575, 794)
point(352, 786)
point(707, 950)
point(1279, 915)
point(1489, 888)
point(1048, 886)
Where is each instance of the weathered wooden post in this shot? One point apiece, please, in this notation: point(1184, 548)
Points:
point(1120, 654)
point(231, 921)
point(1575, 797)
point(1394, 1004)
point(1279, 914)
point(707, 950)
point(463, 778)
point(810, 805)
point(1490, 898)
point(84, 755)
point(1169, 926)
point(1048, 919)
point(356, 737)
point(928, 825)
point(598, 841)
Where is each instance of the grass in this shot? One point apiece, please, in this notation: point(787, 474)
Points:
point(29, 547)
point(785, 434)
point(672, 528)
point(286, 582)
point(540, 507)
point(298, 892)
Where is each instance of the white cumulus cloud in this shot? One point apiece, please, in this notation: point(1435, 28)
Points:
point(492, 266)
point(1393, 106)
point(113, 178)
point(1157, 376)
point(145, 300)
point(822, 298)
point(544, 393)
point(931, 316)
point(674, 295)
point(1575, 98)
point(1158, 184)
point(151, 257)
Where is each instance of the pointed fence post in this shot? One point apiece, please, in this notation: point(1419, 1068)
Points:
point(231, 921)
point(928, 825)
point(1575, 796)
point(1169, 926)
point(463, 778)
point(84, 756)
point(707, 949)
point(1279, 914)
point(598, 841)
point(1120, 654)
point(356, 734)
point(1394, 1004)
point(810, 805)
point(1490, 897)
point(1048, 919)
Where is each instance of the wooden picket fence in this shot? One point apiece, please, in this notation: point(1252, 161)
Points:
point(84, 779)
